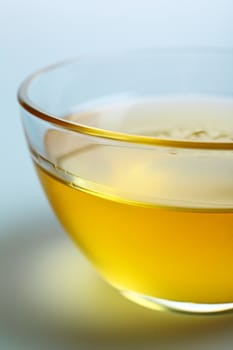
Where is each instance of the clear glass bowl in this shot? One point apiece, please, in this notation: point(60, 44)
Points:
point(135, 154)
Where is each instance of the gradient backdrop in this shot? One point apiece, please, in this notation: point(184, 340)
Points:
point(49, 296)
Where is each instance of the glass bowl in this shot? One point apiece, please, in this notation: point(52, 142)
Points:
point(135, 154)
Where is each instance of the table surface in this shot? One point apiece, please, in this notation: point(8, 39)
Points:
point(42, 295)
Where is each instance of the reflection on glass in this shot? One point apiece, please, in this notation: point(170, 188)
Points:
point(143, 184)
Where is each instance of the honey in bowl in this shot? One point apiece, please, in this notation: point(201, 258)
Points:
point(156, 222)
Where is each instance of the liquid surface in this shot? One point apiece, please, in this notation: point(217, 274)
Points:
point(153, 220)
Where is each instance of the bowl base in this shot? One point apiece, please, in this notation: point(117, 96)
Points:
point(177, 306)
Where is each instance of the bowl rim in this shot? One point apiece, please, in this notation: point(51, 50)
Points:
point(27, 104)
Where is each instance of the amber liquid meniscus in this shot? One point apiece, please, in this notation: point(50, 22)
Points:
point(157, 221)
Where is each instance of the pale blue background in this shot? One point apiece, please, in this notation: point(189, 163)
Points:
point(35, 33)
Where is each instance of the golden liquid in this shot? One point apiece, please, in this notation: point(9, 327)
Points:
point(155, 222)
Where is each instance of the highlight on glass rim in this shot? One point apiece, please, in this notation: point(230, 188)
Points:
point(134, 152)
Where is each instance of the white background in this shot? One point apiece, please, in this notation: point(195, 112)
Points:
point(35, 33)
